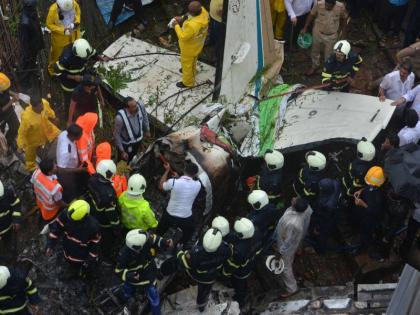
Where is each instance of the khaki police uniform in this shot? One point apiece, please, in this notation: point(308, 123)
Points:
point(325, 30)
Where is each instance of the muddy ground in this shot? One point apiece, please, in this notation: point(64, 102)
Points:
point(62, 295)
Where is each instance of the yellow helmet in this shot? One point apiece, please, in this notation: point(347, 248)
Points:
point(4, 82)
point(78, 210)
point(375, 176)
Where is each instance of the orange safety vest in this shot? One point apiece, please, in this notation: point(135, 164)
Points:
point(86, 143)
point(45, 189)
point(103, 152)
point(120, 184)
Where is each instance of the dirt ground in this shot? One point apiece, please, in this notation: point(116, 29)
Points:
point(71, 296)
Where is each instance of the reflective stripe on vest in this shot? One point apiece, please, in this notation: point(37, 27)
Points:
point(45, 189)
point(85, 153)
point(132, 138)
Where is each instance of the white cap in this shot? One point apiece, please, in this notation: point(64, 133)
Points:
point(136, 185)
point(4, 276)
point(244, 228)
point(65, 5)
point(135, 239)
point(366, 150)
point(316, 160)
point(212, 240)
point(221, 224)
point(258, 199)
point(106, 168)
point(274, 159)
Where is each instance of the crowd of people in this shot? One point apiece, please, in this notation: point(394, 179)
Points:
point(91, 208)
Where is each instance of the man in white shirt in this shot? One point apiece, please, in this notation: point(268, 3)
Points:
point(184, 191)
point(69, 171)
point(297, 10)
point(410, 133)
point(397, 83)
point(411, 96)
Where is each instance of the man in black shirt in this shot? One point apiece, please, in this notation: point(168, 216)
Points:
point(84, 98)
point(7, 113)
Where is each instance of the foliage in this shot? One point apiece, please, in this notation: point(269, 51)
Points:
point(115, 76)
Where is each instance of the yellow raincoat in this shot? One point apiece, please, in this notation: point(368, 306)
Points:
point(279, 17)
point(58, 39)
point(191, 38)
point(36, 130)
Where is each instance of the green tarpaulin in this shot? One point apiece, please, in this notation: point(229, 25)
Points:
point(268, 115)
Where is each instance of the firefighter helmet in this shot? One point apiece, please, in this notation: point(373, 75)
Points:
point(82, 48)
point(78, 210)
point(135, 239)
point(212, 240)
point(316, 160)
point(375, 176)
point(244, 228)
point(221, 224)
point(65, 5)
point(343, 47)
point(4, 276)
point(106, 168)
point(274, 159)
point(136, 185)
point(258, 199)
point(365, 150)
point(274, 264)
point(4, 82)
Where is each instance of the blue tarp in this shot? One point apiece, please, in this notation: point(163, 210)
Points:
point(105, 7)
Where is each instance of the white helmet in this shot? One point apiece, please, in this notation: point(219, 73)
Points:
point(258, 199)
point(316, 160)
point(65, 5)
point(136, 185)
point(274, 264)
point(135, 239)
point(244, 228)
point(274, 159)
point(343, 46)
point(221, 224)
point(4, 276)
point(365, 150)
point(212, 240)
point(1, 189)
point(106, 168)
point(82, 48)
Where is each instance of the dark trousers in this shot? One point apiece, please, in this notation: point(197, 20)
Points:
point(240, 286)
point(217, 40)
point(412, 228)
point(13, 124)
point(392, 17)
point(292, 32)
point(185, 224)
point(119, 4)
point(203, 293)
point(27, 69)
point(413, 27)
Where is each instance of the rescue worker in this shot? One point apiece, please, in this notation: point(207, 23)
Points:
point(326, 211)
point(136, 6)
point(104, 152)
point(31, 42)
point(103, 202)
point(63, 20)
point(247, 244)
point(7, 113)
point(354, 178)
point(71, 175)
point(278, 17)
point(204, 263)
point(71, 66)
point(264, 214)
point(306, 185)
point(37, 128)
point(136, 212)
point(330, 18)
point(86, 144)
point(136, 265)
point(47, 189)
point(341, 67)
point(81, 237)
point(290, 230)
point(131, 125)
point(191, 37)
point(370, 205)
point(270, 178)
point(10, 217)
point(16, 290)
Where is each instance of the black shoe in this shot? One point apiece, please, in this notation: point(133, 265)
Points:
point(181, 85)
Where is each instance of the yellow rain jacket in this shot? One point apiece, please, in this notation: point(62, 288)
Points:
point(136, 213)
point(279, 17)
point(59, 40)
point(36, 130)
